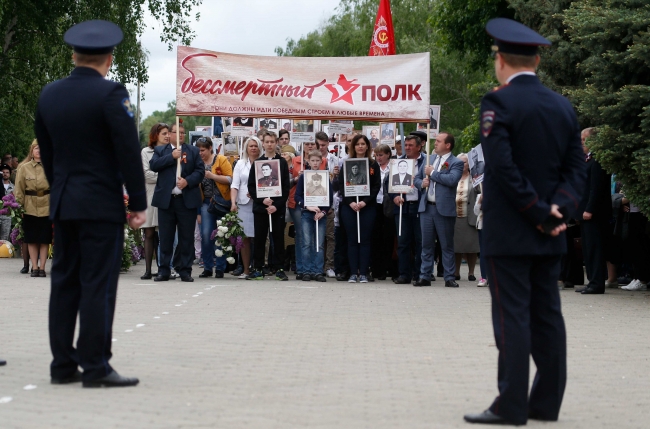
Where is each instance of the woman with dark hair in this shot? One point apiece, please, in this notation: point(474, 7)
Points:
point(32, 191)
point(359, 253)
point(159, 135)
point(384, 231)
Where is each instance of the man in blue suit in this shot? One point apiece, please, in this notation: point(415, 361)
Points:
point(534, 175)
point(89, 149)
point(438, 182)
point(178, 199)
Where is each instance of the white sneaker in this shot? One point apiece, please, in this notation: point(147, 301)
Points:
point(632, 283)
point(173, 275)
point(330, 273)
point(242, 276)
point(636, 285)
point(482, 282)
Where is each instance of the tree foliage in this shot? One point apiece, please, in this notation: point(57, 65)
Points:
point(32, 51)
point(454, 80)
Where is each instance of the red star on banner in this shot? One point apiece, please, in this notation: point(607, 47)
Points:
point(347, 86)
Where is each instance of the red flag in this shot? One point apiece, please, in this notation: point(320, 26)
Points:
point(383, 38)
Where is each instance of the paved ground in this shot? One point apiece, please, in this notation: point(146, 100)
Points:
point(267, 354)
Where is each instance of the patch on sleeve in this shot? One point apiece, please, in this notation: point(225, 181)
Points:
point(126, 103)
point(487, 120)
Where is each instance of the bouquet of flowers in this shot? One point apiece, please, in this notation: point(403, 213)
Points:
point(9, 206)
point(229, 236)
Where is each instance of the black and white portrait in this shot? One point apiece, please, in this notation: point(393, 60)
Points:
point(356, 177)
point(401, 176)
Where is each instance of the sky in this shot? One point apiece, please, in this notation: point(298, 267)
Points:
point(249, 27)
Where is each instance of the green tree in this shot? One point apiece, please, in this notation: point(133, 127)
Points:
point(453, 79)
point(32, 51)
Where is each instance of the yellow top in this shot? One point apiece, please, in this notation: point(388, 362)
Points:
point(31, 177)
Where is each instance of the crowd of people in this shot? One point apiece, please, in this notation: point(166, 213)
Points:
point(441, 218)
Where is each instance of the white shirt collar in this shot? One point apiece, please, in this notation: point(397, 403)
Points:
point(526, 73)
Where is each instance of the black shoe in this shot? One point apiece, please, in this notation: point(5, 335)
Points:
point(300, 276)
point(533, 415)
point(580, 289)
point(111, 380)
point(592, 291)
point(450, 283)
point(3, 362)
point(161, 278)
point(370, 278)
point(471, 278)
point(568, 285)
point(34, 273)
point(320, 278)
point(486, 417)
point(41, 273)
point(381, 278)
point(433, 278)
point(342, 277)
point(266, 271)
point(623, 281)
point(305, 278)
point(401, 281)
point(238, 271)
point(457, 277)
point(422, 282)
point(74, 378)
point(188, 278)
point(146, 276)
point(205, 273)
point(218, 274)
point(24, 270)
point(280, 275)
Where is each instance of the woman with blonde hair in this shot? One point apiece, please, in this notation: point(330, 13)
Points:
point(240, 198)
point(32, 191)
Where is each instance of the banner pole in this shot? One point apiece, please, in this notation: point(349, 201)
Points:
point(317, 246)
point(426, 149)
point(178, 146)
point(358, 223)
point(270, 224)
point(400, 215)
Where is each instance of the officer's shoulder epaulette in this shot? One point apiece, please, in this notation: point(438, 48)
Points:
point(496, 88)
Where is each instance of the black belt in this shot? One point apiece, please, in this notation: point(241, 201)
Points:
point(177, 195)
point(37, 193)
point(431, 202)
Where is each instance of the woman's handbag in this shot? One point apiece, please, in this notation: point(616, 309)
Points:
point(218, 204)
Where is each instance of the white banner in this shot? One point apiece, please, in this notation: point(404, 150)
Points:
point(392, 88)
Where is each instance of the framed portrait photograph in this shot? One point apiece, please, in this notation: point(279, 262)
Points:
point(402, 172)
point(317, 188)
point(434, 122)
point(303, 126)
point(373, 133)
point(242, 127)
point(356, 177)
point(267, 175)
point(286, 124)
point(476, 165)
point(195, 135)
point(269, 124)
point(230, 144)
point(388, 134)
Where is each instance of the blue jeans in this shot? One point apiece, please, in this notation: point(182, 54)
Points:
point(358, 253)
point(312, 260)
point(209, 224)
point(296, 216)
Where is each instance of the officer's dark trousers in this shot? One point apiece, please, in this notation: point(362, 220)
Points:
point(527, 320)
point(169, 219)
point(409, 244)
point(85, 270)
point(593, 250)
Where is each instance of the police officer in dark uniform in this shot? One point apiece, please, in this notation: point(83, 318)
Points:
point(534, 176)
point(89, 147)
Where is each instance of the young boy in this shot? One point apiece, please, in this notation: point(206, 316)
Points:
point(263, 207)
point(312, 260)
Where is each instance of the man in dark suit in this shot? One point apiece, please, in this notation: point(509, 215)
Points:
point(267, 179)
point(86, 202)
point(437, 209)
point(534, 175)
point(402, 177)
point(177, 197)
point(595, 210)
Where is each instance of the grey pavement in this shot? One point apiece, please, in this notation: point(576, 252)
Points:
point(228, 353)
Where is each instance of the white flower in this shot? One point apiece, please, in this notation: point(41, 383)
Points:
point(229, 249)
point(230, 260)
point(220, 234)
point(218, 252)
point(219, 222)
point(223, 228)
point(227, 235)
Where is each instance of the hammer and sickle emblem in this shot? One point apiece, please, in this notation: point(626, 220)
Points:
point(383, 37)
